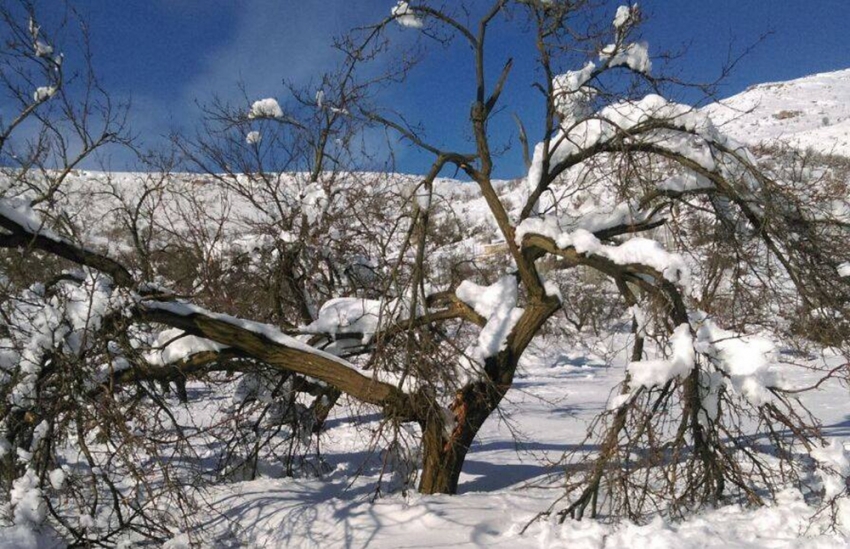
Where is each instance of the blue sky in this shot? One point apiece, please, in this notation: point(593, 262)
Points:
point(169, 55)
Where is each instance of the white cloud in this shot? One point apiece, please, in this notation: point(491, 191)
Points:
point(273, 41)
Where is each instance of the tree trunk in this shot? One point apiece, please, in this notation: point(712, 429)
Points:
point(442, 460)
point(444, 447)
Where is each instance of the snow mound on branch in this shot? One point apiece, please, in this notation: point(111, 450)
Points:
point(590, 216)
point(26, 498)
point(644, 251)
point(266, 108)
point(649, 373)
point(623, 15)
point(746, 361)
point(683, 182)
point(496, 303)
point(265, 330)
point(252, 138)
point(572, 97)
point(41, 323)
point(635, 251)
point(174, 345)
point(42, 49)
point(836, 458)
point(676, 127)
point(844, 270)
point(44, 92)
point(347, 315)
point(314, 201)
point(57, 478)
point(405, 17)
point(634, 55)
point(21, 213)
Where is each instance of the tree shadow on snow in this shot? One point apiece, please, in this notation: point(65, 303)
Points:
point(539, 462)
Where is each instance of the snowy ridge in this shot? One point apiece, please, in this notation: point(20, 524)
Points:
point(810, 112)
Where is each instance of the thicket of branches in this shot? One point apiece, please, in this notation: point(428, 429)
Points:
point(290, 280)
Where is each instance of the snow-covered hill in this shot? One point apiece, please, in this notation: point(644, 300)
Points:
point(810, 112)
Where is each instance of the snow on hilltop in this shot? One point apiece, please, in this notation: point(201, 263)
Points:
point(810, 112)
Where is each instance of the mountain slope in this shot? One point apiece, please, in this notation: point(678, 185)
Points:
point(810, 112)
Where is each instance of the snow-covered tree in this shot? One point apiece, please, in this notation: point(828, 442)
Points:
point(340, 283)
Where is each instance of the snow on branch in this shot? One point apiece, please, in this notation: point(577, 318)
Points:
point(649, 373)
point(652, 119)
point(40, 323)
point(21, 217)
point(743, 364)
point(496, 303)
point(624, 15)
point(27, 230)
point(265, 108)
point(174, 345)
point(350, 315)
point(354, 323)
point(652, 125)
point(571, 93)
point(265, 331)
point(572, 96)
point(593, 218)
point(43, 93)
point(836, 462)
point(744, 361)
point(270, 345)
point(405, 17)
point(637, 251)
point(634, 55)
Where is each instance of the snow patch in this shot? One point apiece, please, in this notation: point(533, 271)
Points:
point(623, 15)
point(266, 108)
point(405, 17)
point(634, 55)
point(496, 303)
point(746, 360)
point(43, 93)
point(650, 373)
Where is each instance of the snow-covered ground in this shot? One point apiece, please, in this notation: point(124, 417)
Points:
point(507, 480)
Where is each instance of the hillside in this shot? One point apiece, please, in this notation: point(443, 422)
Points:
point(811, 112)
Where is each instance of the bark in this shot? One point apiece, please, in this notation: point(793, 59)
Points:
point(443, 452)
point(331, 370)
